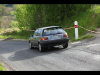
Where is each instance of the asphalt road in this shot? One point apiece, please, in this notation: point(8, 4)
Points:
point(79, 56)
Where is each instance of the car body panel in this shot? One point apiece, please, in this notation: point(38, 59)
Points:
point(59, 39)
point(54, 42)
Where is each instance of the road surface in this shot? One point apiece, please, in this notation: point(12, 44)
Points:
point(79, 56)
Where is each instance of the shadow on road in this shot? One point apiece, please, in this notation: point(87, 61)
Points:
point(31, 53)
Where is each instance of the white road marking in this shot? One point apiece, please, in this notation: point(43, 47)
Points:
point(93, 45)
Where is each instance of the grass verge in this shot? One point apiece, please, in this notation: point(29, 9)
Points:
point(20, 34)
point(82, 38)
point(1, 67)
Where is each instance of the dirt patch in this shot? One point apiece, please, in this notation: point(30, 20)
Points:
point(8, 39)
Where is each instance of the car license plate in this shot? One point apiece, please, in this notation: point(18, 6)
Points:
point(55, 37)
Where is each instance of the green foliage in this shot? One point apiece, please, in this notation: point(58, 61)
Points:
point(82, 38)
point(21, 34)
point(20, 16)
point(12, 13)
point(32, 16)
point(1, 67)
point(0, 10)
point(14, 24)
point(6, 15)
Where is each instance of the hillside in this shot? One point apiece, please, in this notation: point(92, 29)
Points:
point(7, 14)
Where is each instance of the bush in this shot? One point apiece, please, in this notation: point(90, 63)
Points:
point(12, 13)
point(14, 24)
point(32, 16)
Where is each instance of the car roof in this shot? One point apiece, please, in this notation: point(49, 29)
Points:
point(48, 27)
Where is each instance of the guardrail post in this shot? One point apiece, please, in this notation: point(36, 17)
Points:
point(76, 29)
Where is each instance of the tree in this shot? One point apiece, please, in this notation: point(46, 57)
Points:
point(33, 16)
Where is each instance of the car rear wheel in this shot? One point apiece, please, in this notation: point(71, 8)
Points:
point(65, 45)
point(40, 48)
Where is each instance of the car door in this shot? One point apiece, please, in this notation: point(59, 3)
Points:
point(33, 39)
point(38, 36)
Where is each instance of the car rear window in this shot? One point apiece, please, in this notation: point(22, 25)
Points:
point(52, 31)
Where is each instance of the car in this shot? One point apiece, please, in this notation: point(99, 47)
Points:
point(47, 37)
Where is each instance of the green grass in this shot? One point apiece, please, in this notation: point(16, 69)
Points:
point(21, 34)
point(83, 37)
point(1, 67)
point(86, 19)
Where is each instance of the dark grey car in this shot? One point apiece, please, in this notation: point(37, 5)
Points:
point(47, 37)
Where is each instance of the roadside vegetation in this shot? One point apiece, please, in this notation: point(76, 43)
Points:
point(83, 37)
point(16, 34)
point(1, 67)
point(32, 16)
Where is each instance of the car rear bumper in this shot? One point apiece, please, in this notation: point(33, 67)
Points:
point(54, 42)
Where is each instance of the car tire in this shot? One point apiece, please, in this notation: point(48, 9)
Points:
point(40, 47)
point(65, 45)
point(30, 45)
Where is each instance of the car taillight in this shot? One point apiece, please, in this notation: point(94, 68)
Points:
point(65, 35)
point(44, 38)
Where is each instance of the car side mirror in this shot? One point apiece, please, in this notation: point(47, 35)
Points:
point(31, 35)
